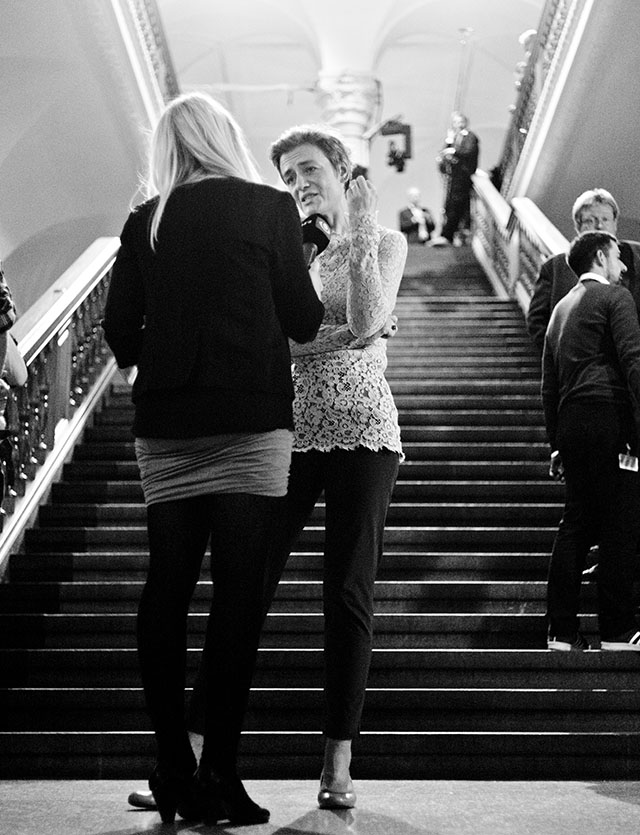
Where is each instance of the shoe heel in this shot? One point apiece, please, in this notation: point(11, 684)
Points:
point(171, 792)
point(328, 799)
point(166, 799)
point(226, 798)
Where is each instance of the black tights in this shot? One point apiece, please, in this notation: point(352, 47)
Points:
point(242, 528)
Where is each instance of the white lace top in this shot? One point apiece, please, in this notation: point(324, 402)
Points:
point(342, 398)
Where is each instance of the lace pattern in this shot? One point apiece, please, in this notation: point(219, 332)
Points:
point(342, 398)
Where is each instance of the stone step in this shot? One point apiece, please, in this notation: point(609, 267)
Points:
point(463, 418)
point(507, 514)
point(403, 564)
point(391, 630)
point(410, 403)
point(420, 429)
point(405, 668)
point(123, 451)
point(292, 710)
point(293, 596)
point(405, 490)
point(486, 537)
point(424, 755)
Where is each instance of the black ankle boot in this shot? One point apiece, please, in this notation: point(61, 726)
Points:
point(225, 798)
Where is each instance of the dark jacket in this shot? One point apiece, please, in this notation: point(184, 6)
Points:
point(461, 165)
point(206, 316)
point(410, 228)
point(555, 280)
point(591, 351)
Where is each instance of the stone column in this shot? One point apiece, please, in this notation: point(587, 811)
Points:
point(349, 102)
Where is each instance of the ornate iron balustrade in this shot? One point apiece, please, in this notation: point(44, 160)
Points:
point(150, 32)
point(555, 31)
point(69, 366)
point(536, 239)
point(511, 241)
point(491, 214)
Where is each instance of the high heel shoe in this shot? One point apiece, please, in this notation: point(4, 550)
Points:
point(174, 791)
point(330, 799)
point(225, 798)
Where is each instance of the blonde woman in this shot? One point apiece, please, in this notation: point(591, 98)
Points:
point(209, 284)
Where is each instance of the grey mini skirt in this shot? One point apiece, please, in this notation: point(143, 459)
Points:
point(179, 468)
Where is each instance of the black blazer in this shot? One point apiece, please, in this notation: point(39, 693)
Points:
point(206, 316)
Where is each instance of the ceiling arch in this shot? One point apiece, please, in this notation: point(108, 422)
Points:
point(263, 59)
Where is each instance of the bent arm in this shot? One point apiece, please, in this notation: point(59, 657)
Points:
point(123, 321)
point(539, 311)
point(298, 307)
point(626, 337)
point(375, 271)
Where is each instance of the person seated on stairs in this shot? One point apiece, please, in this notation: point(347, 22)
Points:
point(595, 209)
point(591, 402)
point(347, 437)
point(210, 280)
point(416, 221)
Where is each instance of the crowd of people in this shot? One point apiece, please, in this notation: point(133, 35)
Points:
point(256, 346)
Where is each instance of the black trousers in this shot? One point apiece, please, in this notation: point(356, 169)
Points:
point(602, 506)
point(457, 208)
point(357, 487)
point(242, 529)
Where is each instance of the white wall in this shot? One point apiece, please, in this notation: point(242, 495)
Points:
point(70, 137)
point(262, 58)
point(593, 137)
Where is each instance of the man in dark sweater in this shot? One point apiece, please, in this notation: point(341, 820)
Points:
point(594, 210)
point(591, 400)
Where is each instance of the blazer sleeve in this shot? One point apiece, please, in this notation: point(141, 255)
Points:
point(298, 307)
point(623, 316)
point(550, 391)
point(539, 311)
point(123, 321)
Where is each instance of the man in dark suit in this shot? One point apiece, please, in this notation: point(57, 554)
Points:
point(596, 210)
point(591, 401)
point(416, 221)
point(457, 162)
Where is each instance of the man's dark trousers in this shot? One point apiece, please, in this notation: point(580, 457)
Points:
point(602, 505)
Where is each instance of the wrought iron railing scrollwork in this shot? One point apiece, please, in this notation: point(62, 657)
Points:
point(63, 345)
point(553, 31)
point(511, 240)
point(146, 19)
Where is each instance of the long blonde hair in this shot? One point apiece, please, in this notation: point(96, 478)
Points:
point(195, 138)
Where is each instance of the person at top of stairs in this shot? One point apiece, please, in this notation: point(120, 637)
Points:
point(209, 282)
point(595, 209)
point(591, 402)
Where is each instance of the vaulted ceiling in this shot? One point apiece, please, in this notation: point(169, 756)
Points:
point(263, 58)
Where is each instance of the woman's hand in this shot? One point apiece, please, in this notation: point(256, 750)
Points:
point(390, 327)
point(362, 197)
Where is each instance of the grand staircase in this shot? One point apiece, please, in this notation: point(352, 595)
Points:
point(461, 684)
